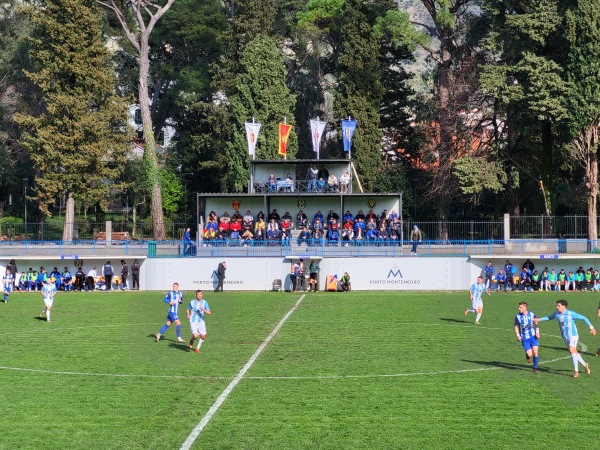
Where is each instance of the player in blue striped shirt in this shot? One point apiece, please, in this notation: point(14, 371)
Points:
point(7, 280)
point(174, 298)
point(475, 292)
point(195, 313)
point(48, 291)
point(566, 321)
point(528, 334)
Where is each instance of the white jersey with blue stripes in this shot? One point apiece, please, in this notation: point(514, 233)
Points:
point(176, 297)
point(197, 314)
point(476, 290)
point(48, 290)
point(7, 280)
point(566, 322)
point(526, 325)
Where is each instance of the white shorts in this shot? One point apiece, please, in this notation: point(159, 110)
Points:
point(48, 302)
point(198, 327)
point(477, 304)
point(572, 342)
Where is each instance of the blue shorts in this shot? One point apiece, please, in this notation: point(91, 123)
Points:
point(172, 317)
point(528, 343)
point(8, 288)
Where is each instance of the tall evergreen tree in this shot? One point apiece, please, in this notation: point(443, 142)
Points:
point(262, 94)
point(78, 143)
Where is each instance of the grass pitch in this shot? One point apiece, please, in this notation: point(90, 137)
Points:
point(346, 370)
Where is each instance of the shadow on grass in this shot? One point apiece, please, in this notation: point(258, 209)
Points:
point(180, 346)
point(526, 368)
point(40, 318)
point(446, 319)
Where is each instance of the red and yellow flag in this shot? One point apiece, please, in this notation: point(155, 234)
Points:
point(284, 134)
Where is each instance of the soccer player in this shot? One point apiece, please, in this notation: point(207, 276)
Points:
point(7, 281)
point(173, 298)
point(48, 291)
point(566, 321)
point(195, 313)
point(528, 334)
point(475, 293)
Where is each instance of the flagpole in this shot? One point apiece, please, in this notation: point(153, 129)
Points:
point(254, 152)
point(350, 147)
point(285, 155)
point(318, 143)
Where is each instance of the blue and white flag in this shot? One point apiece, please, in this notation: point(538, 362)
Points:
point(348, 127)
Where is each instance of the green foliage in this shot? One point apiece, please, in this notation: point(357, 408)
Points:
point(77, 144)
point(477, 174)
point(397, 28)
point(320, 13)
point(262, 94)
point(172, 191)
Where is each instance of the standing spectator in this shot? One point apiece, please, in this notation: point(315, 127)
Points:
point(124, 273)
point(90, 279)
point(416, 237)
point(107, 273)
point(509, 270)
point(489, 274)
point(135, 275)
point(187, 242)
point(221, 276)
point(301, 278)
point(79, 279)
point(312, 178)
point(323, 173)
point(30, 280)
point(294, 276)
point(12, 266)
point(529, 266)
point(313, 281)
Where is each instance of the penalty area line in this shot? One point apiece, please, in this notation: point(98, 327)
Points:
point(221, 399)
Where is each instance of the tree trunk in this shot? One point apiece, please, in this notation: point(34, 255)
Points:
point(69, 219)
point(591, 172)
point(153, 170)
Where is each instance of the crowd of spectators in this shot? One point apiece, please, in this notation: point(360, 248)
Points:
point(371, 228)
point(318, 180)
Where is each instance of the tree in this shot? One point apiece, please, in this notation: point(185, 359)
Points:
point(145, 15)
point(262, 93)
point(78, 144)
point(582, 102)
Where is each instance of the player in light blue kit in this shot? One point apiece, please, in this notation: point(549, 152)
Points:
point(195, 313)
point(476, 291)
point(7, 281)
point(173, 298)
point(48, 291)
point(566, 321)
point(528, 334)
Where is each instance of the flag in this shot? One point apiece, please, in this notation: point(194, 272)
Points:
point(316, 130)
point(284, 134)
point(252, 130)
point(348, 127)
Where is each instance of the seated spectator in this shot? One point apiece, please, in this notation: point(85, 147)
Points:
point(272, 183)
point(571, 282)
point(286, 224)
point(347, 233)
point(345, 282)
point(237, 217)
point(212, 215)
point(289, 183)
point(247, 224)
point(580, 277)
point(349, 216)
point(359, 234)
point(544, 285)
point(318, 215)
point(371, 235)
point(210, 232)
point(318, 225)
point(561, 280)
point(260, 215)
point(260, 230)
point(587, 282)
point(394, 234)
point(552, 280)
point(333, 236)
point(360, 215)
point(23, 285)
point(321, 185)
point(235, 229)
point(249, 216)
point(596, 281)
point(223, 230)
point(501, 280)
point(287, 216)
point(285, 236)
point(301, 220)
point(383, 217)
point(332, 216)
point(317, 236)
point(225, 217)
point(273, 232)
point(304, 236)
point(67, 279)
point(41, 279)
point(525, 280)
point(360, 224)
point(371, 216)
point(382, 235)
point(56, 275)
point(332, 183)
point(393, 215)
point(371, 224)
point(274, 215)
point(333, 225)
point(535, 281)
point(344, 182)
point(323, 172)
point(247, 236)
point(99, 283)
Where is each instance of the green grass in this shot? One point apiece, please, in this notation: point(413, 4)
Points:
point(354, 370)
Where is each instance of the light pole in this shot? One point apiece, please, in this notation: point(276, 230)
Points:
point(25, 180)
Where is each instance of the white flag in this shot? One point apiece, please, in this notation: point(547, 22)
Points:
point(252, 130)
point(316, 130)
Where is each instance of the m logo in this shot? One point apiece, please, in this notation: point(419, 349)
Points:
point(236, 204)
point(301, 204)
point(395, 273)
point(371, 202)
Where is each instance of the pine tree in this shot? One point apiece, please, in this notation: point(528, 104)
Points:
point(78, 144)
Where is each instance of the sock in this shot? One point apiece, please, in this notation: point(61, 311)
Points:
point(471, 310)
point(48, 315)
point(200, 341)
point(192, 341)
point(5, 297)
point(477, 317)
point(574, 357)
point(580, 359)
point(178, 330)
point(536, 360)
point(163, 329)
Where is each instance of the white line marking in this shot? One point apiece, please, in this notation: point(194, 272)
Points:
point(215, 407)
